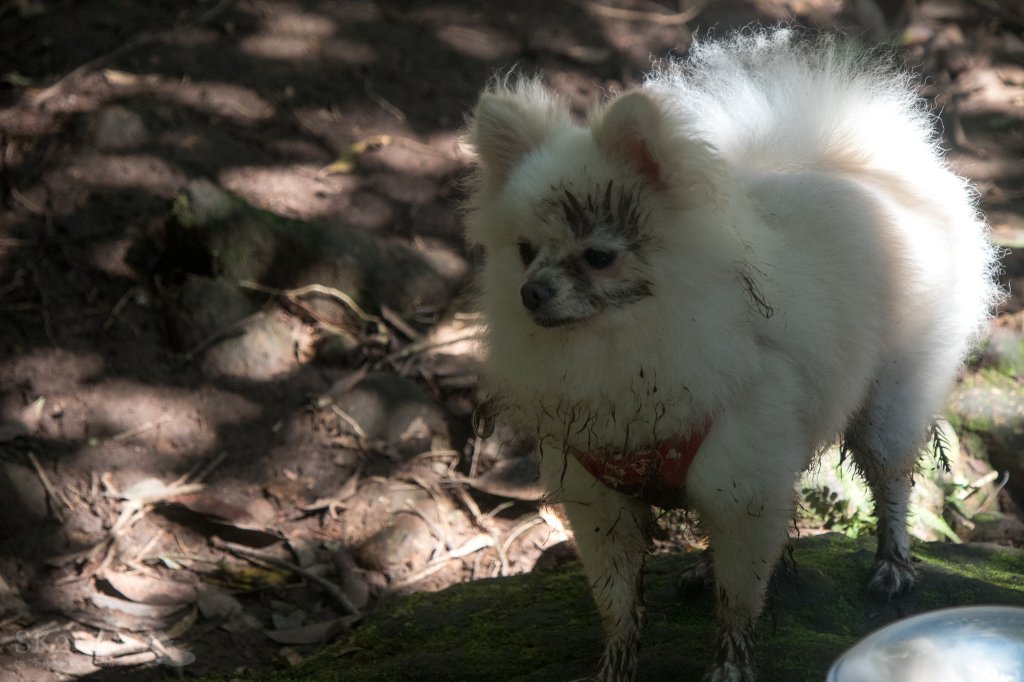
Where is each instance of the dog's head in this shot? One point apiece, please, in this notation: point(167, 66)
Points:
point(570, 215)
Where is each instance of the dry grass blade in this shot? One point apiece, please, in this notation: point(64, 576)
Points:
point(295, 294)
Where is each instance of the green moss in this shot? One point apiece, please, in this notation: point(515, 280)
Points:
point(545, 627)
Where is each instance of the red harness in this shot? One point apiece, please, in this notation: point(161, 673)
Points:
point(655, 475)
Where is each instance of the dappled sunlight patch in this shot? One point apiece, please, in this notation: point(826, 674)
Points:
point(128, 413)
point(480, 42)
point(234, 102)
point(348, 52)
point(282, 46)
point(295, 191)
point(440, 155)
point(63, 367)
point(305, 37)
point(111, 258)
point(991, 167)
point(302, 24)
point(127, 171)
point(999, 89)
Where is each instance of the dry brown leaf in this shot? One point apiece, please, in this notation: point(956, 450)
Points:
point(112, 613)
point(214, 602)
point(103, 647)
point(144, 489)
point(148, 590)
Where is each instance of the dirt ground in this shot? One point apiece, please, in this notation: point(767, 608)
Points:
point(164, 514)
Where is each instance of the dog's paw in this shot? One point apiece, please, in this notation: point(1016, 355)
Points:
point(730, 672)
point(892, 578)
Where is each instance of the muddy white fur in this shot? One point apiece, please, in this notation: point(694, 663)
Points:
point(764, 235)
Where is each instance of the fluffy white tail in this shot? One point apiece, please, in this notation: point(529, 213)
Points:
point(770, 101)
point(767, 99)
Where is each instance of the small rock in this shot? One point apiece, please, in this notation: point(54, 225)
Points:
point(203, 203)
point(400, 548)
point(117, 128)
point(264, 349)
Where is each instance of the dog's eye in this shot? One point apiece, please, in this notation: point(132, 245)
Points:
point(599, 259)
point(526, 252)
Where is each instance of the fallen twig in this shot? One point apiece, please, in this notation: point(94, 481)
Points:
point(425, 345)
point(118, 307)
point(331, 588)
point(60, 504)
point(294, 294)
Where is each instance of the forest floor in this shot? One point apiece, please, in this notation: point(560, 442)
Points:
point(166, 508)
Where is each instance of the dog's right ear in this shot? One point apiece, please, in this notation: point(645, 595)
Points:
point(510, 122)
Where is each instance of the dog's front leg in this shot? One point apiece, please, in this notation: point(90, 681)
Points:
point(745, 502)
point(612, 534)
point(747, 542)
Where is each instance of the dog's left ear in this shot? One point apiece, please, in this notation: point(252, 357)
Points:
point(627, 131)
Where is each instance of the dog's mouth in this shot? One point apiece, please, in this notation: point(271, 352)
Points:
point(553, 322)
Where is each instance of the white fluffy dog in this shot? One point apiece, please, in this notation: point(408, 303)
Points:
point(689, 295)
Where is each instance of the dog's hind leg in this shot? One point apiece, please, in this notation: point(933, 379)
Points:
point(612, 535)
point(885, 439)
point(890, 477)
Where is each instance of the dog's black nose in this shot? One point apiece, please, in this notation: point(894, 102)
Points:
point(535, 293)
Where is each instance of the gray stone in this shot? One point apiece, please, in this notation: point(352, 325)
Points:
point(117, 128)
point(263, 348)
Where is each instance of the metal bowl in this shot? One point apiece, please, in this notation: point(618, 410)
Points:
point(966, 644)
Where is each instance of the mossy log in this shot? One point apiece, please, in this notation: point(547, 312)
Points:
point(544, 626)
